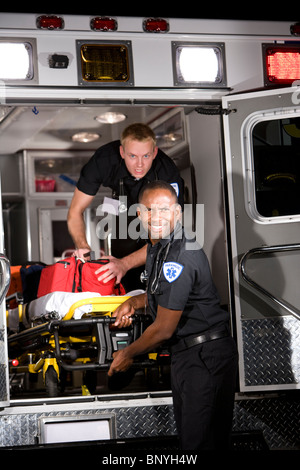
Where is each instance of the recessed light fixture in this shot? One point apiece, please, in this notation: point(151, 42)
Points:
point(85, 137)
point(110, 117)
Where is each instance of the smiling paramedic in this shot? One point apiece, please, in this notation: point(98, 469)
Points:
point(187, 316)
point(125, 167)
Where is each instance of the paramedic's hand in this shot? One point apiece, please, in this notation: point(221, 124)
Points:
point(80, 252)
point(114, 269)
point(123, 314)
point(121, 362)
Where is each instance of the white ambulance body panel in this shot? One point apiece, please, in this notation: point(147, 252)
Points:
point(152, 53)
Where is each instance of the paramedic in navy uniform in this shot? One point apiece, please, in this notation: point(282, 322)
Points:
point(184, 303)
point(124, 167)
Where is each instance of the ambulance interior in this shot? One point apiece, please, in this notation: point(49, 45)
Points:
point(43, 148)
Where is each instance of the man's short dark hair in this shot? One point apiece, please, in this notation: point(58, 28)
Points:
point(158, 184)
point(138, 131)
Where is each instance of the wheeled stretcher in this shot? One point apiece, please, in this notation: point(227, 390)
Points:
point(70, 332)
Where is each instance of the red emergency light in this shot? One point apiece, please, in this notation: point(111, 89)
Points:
point(156, 25)
point(103, 23)
point(50, 22)
point(282, 64)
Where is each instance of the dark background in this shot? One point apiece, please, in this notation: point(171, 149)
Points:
point(261, 11)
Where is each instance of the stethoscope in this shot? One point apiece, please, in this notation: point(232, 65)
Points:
point(121, 195)
point(158, 267)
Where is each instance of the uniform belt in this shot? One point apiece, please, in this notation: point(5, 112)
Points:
point(187, 343)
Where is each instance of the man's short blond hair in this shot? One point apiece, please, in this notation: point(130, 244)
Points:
point(138, 131)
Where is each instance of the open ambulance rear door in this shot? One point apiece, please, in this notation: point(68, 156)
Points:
point(262, 146)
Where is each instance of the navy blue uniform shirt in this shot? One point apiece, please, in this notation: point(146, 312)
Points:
point(179, 278)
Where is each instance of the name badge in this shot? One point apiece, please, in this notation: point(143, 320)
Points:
point(113, 206)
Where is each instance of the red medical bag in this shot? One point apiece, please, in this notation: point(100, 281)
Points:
point(74, 275)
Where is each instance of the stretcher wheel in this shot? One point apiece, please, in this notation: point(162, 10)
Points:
point(51, 382)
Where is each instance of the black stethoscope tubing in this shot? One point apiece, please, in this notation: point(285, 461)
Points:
point(157, 270)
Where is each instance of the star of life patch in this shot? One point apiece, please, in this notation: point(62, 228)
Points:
point(172, 271)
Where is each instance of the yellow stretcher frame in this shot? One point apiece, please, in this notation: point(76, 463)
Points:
point(99, 304)
point(104, 305)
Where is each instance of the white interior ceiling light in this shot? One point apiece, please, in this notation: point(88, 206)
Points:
point(85, 137)
point(16, 61)
point(199, 64)
point(110, 117)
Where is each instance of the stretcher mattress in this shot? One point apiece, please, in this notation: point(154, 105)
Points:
point(57, 305)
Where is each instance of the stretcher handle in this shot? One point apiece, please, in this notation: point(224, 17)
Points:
point(105, 304)
point(57, 324)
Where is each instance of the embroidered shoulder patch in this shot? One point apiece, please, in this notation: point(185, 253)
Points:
point(172, 271)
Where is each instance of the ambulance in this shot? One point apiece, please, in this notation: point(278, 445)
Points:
point(222, 97)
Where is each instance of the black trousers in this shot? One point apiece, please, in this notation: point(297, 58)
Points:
point(203, 387)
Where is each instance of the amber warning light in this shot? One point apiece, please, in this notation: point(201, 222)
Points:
point(105, 63)
point(282, 65)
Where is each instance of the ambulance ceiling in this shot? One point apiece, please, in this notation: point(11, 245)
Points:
point(52, 127)
point(48, 127)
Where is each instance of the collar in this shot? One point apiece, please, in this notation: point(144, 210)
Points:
point(122, 172)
